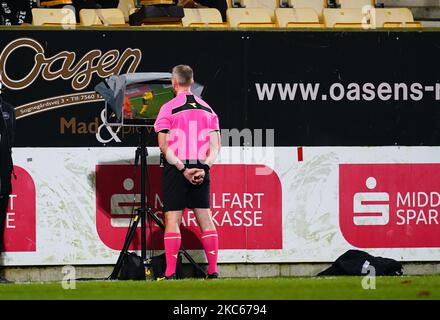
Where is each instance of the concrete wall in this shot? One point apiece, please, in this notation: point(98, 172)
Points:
point(55, 273)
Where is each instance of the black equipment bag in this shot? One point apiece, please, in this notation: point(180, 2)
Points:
point(159, 265)
point(132, 267)
point(157, 14)
point(354, 263)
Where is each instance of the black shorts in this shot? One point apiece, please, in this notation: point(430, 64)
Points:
point(179, 193)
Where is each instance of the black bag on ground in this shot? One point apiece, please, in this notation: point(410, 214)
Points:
point(159, 265)
point(356, 263)
point(132, 267)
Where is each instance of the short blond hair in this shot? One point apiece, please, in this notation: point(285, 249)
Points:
point(184, 75)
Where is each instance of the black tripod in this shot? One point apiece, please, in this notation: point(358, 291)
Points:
point(142, 213)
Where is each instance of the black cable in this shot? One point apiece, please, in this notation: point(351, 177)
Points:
point(147, 176)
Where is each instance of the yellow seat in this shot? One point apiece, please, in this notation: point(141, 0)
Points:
point(252, 17)
point(355, 4)
point(393, 18)
point(156, 2)
point(317, 5)
point(297, 18)
point(162, 25)
point(269, 5)
point(126, 6)
point(208, 17)
point(52, 3)
point(415, 24)
point(49, 16)
point(346, 18)
point(108, 17)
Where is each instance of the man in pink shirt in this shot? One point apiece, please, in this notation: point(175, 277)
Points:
point(189, 138)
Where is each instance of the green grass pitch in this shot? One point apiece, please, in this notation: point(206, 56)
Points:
point(408, 287)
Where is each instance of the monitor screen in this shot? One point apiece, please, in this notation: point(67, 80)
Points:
point(130, 102)
point(142, 102)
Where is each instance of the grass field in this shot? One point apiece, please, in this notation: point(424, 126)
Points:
point(422, 287)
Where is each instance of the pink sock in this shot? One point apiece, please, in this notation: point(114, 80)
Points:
point(210, 243)
point(172, 246)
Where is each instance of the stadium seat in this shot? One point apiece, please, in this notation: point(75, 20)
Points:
point(162, 25)
point(353, 4)
point(253, 17)
point(156, 2)
point(108, 17)
point(269, 5)
point(202, 17)
point(49, 16)
point(53, 3)
point(297, 18)
point(317, 5)
point(126, 6)
point(345, 18)
point(393, 18)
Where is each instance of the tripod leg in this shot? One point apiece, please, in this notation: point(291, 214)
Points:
point(124, 251)
point(191, 260)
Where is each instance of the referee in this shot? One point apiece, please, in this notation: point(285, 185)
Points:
point(189, 138)
point(7, 128)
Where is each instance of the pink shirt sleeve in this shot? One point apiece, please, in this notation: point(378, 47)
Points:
point(215, 126)
point(163, 121)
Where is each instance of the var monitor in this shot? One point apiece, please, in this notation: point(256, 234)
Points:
point(141, 103)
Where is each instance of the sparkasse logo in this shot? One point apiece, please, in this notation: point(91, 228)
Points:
point(246, 207)
point(390, 205)
point(371, 208)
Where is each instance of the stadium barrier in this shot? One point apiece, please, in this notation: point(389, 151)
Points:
point(327, 146)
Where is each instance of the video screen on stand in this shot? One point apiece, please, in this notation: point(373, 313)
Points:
point(142, 102)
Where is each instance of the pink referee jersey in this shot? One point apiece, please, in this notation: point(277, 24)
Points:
point(189, 120)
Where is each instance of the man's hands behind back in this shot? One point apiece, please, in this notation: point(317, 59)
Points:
point(194, 176)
